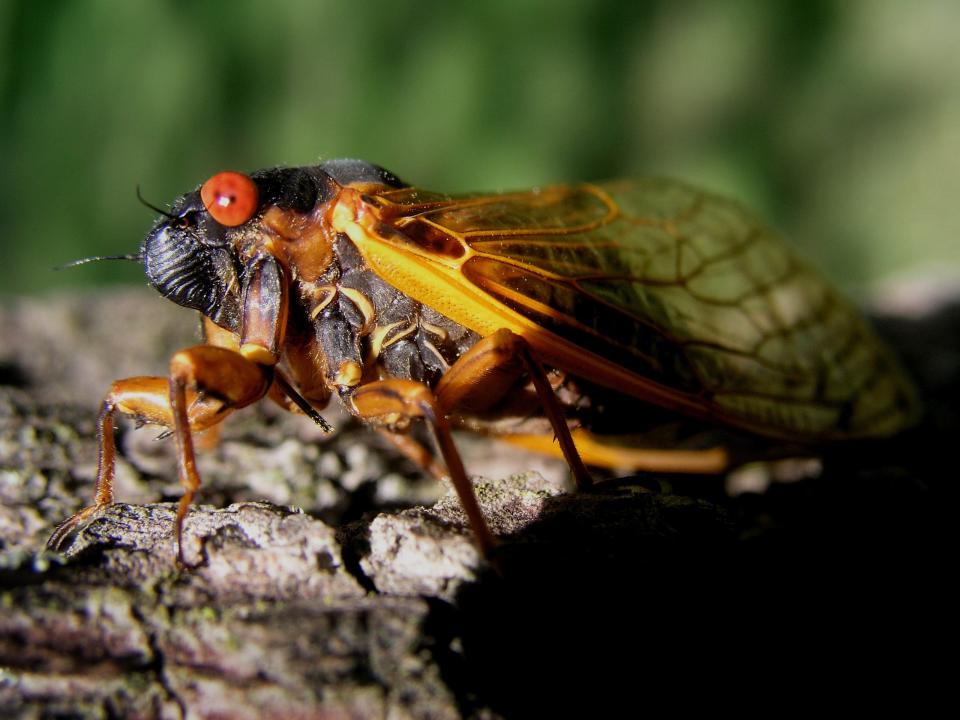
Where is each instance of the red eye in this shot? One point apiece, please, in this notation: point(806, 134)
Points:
point(230, 197)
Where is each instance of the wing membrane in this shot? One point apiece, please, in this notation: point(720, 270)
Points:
point(684, 289)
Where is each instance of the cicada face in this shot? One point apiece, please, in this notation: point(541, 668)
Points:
point(187, 259)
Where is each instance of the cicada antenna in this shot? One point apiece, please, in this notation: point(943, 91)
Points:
point(138, 257)
point(153, 207)
point(83, 261)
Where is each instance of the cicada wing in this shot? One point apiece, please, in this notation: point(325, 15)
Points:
point(674, 295)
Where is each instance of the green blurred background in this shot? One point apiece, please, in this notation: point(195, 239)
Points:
point(837, 121)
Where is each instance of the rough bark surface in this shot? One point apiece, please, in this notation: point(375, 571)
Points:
point(332, 581)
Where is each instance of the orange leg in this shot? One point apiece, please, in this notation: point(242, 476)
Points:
point(414, 451)
point(604, 452)
point(206, 384)
point(489, 369)
point(387, 401)
point(478, 379)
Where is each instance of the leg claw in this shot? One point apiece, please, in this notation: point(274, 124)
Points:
point(68, 527)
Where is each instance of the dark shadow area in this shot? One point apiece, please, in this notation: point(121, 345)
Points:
point(816, 590)
point(13, 375)
point(813, 584)
point(616, 602)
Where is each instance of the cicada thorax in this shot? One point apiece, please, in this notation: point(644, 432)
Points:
point(368, 329)
point(347, 326)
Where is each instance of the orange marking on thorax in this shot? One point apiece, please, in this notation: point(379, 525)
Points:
point(301, 241)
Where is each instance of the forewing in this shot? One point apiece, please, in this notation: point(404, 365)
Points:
point(683, 288)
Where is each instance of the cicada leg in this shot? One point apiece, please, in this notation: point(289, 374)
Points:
point(205, 385)
point(487, 370)
point(416, 452)
point(142, 398)
point(387, 401)
point(602, 452)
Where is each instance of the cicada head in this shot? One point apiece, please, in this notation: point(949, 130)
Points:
point(190, 255)
point(187, 258)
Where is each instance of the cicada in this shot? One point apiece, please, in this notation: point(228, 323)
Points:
point(580, 313)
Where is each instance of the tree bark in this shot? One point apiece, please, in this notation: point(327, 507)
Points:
point(332, 581)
